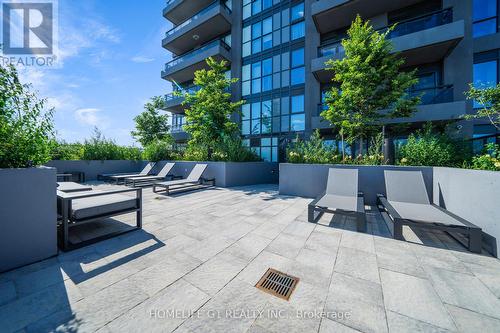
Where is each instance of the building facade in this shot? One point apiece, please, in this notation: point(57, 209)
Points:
point(278, 49)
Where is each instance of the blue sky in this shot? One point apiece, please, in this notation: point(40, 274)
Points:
point(111, 57)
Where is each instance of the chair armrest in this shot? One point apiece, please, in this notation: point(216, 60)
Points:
point(361, 202)
point(387, 206)
point(90, 194)
point(318, 198)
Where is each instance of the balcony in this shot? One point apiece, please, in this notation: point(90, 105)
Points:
point(209, 23)
point(182, 68)
point(178, 133)
point(436, 103)
point(173, 102)
point(420, 40)
point(330, 15)
point(178, 11)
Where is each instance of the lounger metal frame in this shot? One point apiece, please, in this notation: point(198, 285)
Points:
point(314, 212)
point(66, 220)
point(473, 232)
point(188, 184)
point(131, 182)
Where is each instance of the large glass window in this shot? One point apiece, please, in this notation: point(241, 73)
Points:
point(485, 74)
point(298, 30)
point(297, 11)
point(485, 17)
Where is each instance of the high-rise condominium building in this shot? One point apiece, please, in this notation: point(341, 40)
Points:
point(278, 50)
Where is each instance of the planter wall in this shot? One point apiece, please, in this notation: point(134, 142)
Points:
point(94, 168)
point(28, 230)
point(471, 194)
point(227, 174)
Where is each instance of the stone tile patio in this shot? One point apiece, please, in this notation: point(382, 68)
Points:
point(194, 266)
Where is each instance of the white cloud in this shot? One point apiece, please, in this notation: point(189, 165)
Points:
point(91, 116)
point(142, 59)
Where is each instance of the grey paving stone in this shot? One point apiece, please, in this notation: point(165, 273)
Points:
point(489, 275)
point(465, 291)
point(7, 292)
point(330, 326)
point(208, 248)
point(38, 280)
point(469, 321)
point(254, 271)
point(299, 229)
point(286, 318)
point(354, 313)
point(357, 263)
point(402, 324)
point(347, 287)
point(359, 241)
point(327, 243)
point(286, 245)
point(248, 247)
point(442, 258)
point(213, 275)
point(414, 297)
point(164, 312)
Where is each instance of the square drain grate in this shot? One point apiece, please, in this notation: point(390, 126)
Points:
point(277, 284)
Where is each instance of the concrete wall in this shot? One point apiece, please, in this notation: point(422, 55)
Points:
point(309, 180)
point(229, 174)
point(28, 230)
point(94, 168)
point(473, 195)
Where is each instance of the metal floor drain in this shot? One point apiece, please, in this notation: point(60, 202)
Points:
point(277, 284)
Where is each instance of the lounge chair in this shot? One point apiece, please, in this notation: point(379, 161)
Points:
point(341, 196)
point(117, 177)
point(193, 179)
point(144, 180)
point(77, 208)
point(407, 203)
point(72, 187)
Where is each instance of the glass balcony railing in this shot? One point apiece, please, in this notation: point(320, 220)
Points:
point(191, 54)
point(174, 95)
point(198, 15)
point(335, 49)
point(169, 2)
point(434, 95)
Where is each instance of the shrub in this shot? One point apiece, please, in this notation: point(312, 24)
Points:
point(66, 151)
point(312, 151)
point(26, 127)
point(426, 148)
point(160, 150)
point(231, 149)
point(489, 160)
point(100, 148)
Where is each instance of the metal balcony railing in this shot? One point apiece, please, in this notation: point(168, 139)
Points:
point(190, 54)
point(198, 15)
point(334, 48)
point(174, 95)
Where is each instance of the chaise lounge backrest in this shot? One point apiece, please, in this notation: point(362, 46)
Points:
point(165, 170)
point(406, 186)
point(147, 169)
point(196, 173)
point(342, 182)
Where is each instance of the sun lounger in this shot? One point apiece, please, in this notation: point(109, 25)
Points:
point(341, 196)
point(193, 179)
point(407, 203)
point(117, 177)
point(77, 208)
point(144, 180)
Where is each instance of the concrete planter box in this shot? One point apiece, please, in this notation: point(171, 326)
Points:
point(471, 194)
point(227, 174)
point(28, 221)
point(94, 168)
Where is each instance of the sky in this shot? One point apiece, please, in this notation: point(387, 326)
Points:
point(110, 58)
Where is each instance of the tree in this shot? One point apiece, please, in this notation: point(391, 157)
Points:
point(150, 124)
point(489, 100)
point(366, 81)
point(26, 127)
point(209, 110)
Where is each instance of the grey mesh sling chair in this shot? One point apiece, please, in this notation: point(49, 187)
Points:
point(193, 179)
point(145, 180)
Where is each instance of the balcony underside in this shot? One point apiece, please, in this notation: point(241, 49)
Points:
point(420, 47)
point(179, 11)
point(424, 113)
point(210, 25)
point(330, 15)
point(174, 105)
point(184, 71)
point(180, 137)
